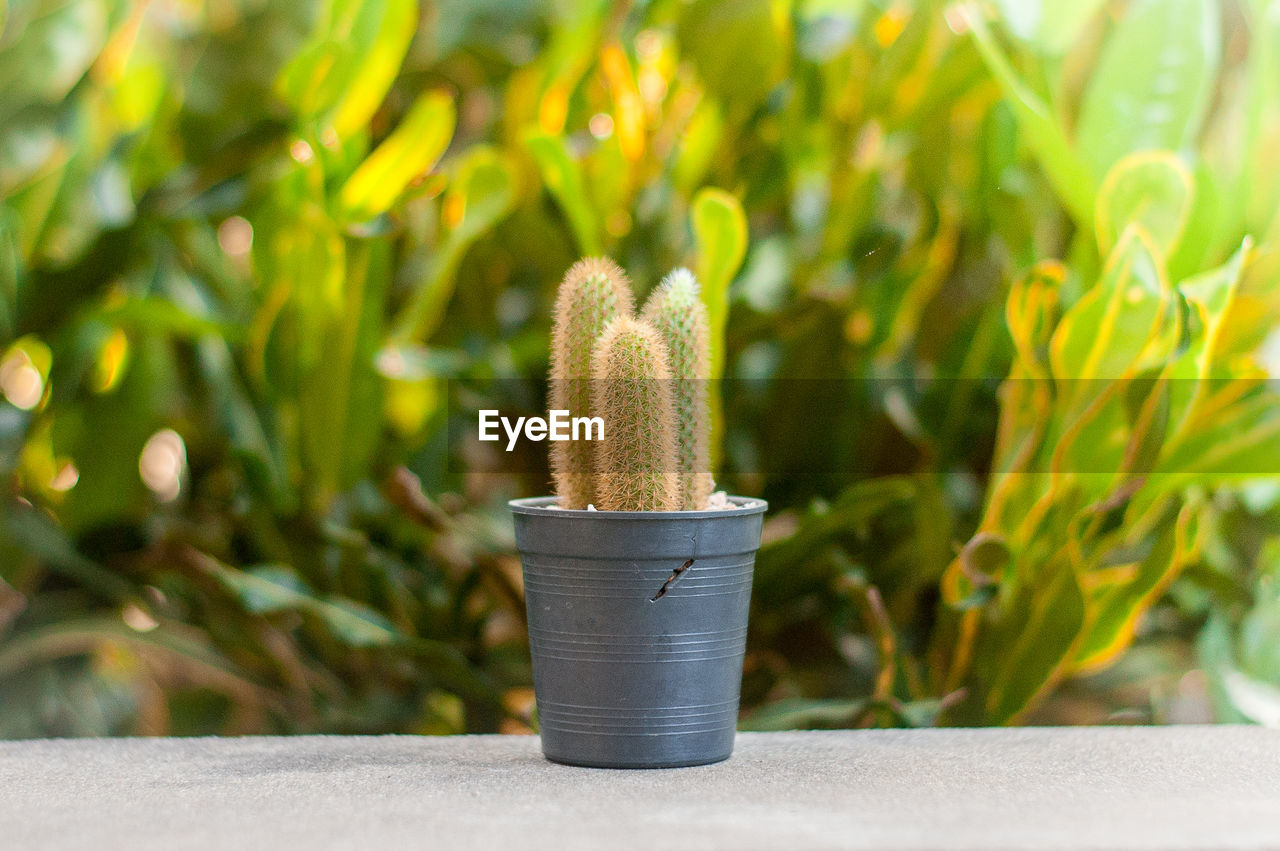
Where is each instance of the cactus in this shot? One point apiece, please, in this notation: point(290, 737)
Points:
point(676, 311)
point(635, 467)
point(608, 363)
point(594, 292)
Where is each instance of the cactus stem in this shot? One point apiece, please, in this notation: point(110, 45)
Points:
point(631, 390)
point(594, 291)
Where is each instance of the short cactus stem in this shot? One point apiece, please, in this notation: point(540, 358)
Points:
point(631, 390)
point(594, 292)
point(677, 313)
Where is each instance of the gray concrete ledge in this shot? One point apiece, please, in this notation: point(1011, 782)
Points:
point(1120, 787)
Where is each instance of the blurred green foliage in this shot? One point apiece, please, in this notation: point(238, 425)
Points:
point(1000, 280)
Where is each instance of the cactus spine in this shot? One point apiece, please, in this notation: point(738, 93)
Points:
point(676, 311)
point(635, 467)
point(593, 293)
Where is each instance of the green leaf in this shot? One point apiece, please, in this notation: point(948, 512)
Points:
point(9, 276)
point(482, 191)
point(803, 714)
point(267, 589)
point(355, 624)
point(563, 178)
point(160, 316)
point(341, 396)
point(484, 188)
point(275, 588)
point(1032, 643)
point(972, 579)
point(306, 262)
point(371, 270)
point(84, 635)
point(741, 49)
point(312, 335)
point(1257, 700)
point(107, 432)
point(1153, 82)
point(14, 424)
point(411, 151)
point(1241, 441)
point(409, 361)
point(781, 563)
point(244, 428)
point(1260, 628)
point(1065, 169)
point(1061, 23)
point(697, 147)
point(37, 534)
point(1257, 182)
point(1216, 651)
point(1031, 313)
point(57, 45)
point(1051, 26)
point(29, 146)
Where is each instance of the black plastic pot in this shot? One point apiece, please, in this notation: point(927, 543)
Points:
point(637, 623)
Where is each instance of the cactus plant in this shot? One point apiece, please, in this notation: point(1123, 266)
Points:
point(646, 378)
point(594, 291)
point(676, 311)
point(635, 467)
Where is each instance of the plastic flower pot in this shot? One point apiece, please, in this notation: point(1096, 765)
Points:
point(637, 625)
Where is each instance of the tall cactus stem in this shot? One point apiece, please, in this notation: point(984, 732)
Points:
point(676, 311)
point(594, 292)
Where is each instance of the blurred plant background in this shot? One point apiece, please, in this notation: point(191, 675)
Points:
point(998, 285)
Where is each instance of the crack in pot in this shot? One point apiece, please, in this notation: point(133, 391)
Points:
point(671, 580)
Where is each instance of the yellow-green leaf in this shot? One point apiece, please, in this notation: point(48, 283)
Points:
point(1209, 298)
point(377, 66)
point(1031, 313)
point(342, 74)
point(1154, 189)
point(412, 149)
point(1126, 325)
point(1106, 333)
point(720, 228)
point(1116, 607)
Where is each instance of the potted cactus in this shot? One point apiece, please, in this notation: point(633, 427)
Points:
point(637, 576)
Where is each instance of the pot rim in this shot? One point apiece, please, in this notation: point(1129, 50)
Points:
point(543, 506)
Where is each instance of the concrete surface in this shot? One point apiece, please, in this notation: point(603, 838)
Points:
point(1181, 787)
